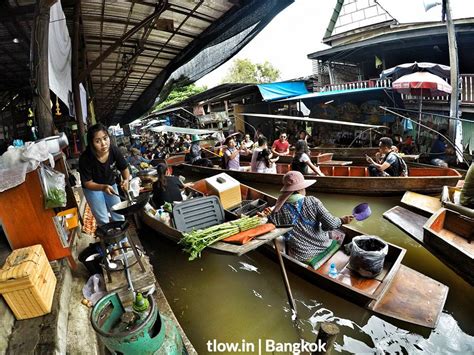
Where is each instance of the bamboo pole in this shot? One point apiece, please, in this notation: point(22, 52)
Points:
point(289, 294)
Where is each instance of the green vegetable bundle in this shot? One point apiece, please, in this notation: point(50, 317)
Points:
point(197, 240)
point(56, 198)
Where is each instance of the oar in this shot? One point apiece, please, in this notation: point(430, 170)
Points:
point(291, 301)
point(207, 150)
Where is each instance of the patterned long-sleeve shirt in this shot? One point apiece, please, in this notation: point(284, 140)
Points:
point(307, 240)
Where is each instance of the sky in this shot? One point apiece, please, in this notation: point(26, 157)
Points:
point(298, 31)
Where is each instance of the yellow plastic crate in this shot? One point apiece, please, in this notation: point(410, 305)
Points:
point(27, 282)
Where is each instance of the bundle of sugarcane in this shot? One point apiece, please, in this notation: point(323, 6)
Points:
point(197, 240)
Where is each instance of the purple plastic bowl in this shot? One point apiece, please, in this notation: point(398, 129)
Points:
point(361, 212)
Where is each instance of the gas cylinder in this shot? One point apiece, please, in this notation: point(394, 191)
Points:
point(141, 331)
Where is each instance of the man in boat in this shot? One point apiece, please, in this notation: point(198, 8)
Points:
point(309, 241)
point(390, 164)
point(195, 157)
point(439, 150)
point(281, 146)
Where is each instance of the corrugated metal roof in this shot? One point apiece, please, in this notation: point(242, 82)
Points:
point(137, 69)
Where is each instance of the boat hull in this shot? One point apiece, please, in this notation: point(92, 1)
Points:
point(346, 179)
point(401, 293)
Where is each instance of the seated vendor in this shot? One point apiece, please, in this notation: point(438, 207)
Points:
point(312, 221)
point(467, 192)
point(167, 188)
point(195, 153)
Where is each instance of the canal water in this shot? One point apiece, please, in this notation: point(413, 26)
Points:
point(222, 299)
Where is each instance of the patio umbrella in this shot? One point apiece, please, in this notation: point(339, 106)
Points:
point(421, 84)
point(407, 68)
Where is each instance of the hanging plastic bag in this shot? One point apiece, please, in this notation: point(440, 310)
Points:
point(54, 187)
point(367, 255)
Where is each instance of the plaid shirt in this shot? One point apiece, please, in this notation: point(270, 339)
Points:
point(307, 240)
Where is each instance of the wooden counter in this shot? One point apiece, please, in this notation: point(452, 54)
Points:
point(26, 222)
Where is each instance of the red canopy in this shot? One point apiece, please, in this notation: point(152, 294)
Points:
point(422, 84)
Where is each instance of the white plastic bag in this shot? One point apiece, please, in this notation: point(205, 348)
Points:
point(94, 289)
point(54, 187)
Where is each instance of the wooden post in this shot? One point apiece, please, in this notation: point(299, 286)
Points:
point(453, 62)
point(40, 63)
point(75, 73)
point(326, 335)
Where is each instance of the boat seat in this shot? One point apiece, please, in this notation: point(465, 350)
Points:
point(348, 277)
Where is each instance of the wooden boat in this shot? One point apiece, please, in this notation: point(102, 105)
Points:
point(316, 158)
point(346, 179)
point(356, 155)
point(412, 223)
point(450, 234)
point(398, 291)
point(247, 194)
point(450, 199)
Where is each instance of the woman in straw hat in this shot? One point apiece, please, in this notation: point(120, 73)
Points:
point(309, 240)
point(195, 153)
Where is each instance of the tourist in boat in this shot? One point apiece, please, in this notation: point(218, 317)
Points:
point(195, 151)
point(281, 146)
point(387, 162)
point(97, 166)
point(309, 239)
point(262, 144)
point(136, 159)
point(301, 160)
point(247, 142)
point(232, 154)
point(265, 163)
point(467, 191)
point(167, 188)
point(303, 135)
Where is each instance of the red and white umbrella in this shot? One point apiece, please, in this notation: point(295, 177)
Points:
point(422, 84)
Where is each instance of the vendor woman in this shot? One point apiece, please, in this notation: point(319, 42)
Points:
point(309, 240)
point(97, 166)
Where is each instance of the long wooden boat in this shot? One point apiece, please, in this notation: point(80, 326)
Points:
point(412, 223)
point(398, 291)
point(356, 155)
point(451, 234)
point(247, 194)
point(346, 179)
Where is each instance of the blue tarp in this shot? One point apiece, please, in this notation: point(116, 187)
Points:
point(350, 94)
point(275, 91)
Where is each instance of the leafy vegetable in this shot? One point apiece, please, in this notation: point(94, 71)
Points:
point(56, 198)
point(197, 240)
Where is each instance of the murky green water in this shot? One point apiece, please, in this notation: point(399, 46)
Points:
point(243, 300)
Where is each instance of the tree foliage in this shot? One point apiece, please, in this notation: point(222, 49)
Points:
point(179, 94)
point(245, 71)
